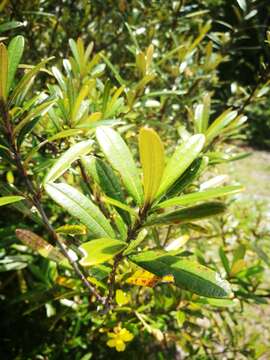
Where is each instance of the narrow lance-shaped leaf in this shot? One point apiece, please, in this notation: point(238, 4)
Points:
point(100, 250)
point(152, 160)
point(192, 198)
point(82, 208)
point(65, 160)
point(191, 213)
point(3, 71)
point(180, 161)
point(15, 51)
point(118, 154)
point(5, 200)
point(187, 274)
point(221, 122)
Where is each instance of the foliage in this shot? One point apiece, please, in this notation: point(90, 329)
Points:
point(119, 234)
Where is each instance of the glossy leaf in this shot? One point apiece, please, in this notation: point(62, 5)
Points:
point(180, 161)
point(81, 207)
point(192, 198)
point(101, 250)
point(15, 51)
point(188, 214)
point(5, 200)
point(118, 154)
point(65, 160)
point(152, 160)
point(187, 274)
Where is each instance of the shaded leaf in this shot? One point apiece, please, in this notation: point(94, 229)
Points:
point(15, 51)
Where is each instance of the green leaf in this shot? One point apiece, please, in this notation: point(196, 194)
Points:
point(180, 161)
point(5, 200)
point(72, 230)
point(39, 110)
point(201, 116)
point(192, 173)
point(10, 25)
point(104, 176)
point(3, 71)
point(152, 160)
point(15, 51)
point(118, 154)
point(187, 274)
point(119, 205)
point(192, 198)
point(26, 80)
point(221, 122)
point(81, 208)
point(224, 259)
point(100, 250)
point(188, 214)
point(65, 160)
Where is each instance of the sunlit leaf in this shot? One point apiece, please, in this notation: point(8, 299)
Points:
point(65, 160)
point(192, 198)
point(118, 154)
point(5, 200)
point(100, 250)
point(152, 160)
point(81, 207)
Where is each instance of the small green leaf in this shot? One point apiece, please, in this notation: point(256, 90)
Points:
point(224, 259)
point(65, 160)
point(187, 274)
point(152, 160)
point(192, 198)
point(101, 250)
point(81, 207)
point(118, 154)
point(15, 51)
point(5, 200)
point(188, 214)
point(180, 161)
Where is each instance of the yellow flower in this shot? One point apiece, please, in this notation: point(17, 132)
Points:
point(118, 338)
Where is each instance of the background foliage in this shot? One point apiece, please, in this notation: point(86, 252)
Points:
point(201, 50)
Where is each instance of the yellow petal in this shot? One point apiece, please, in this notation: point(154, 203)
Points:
point(120, 345)
point(126, 335)
point(152, 160)
point(111, 343)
